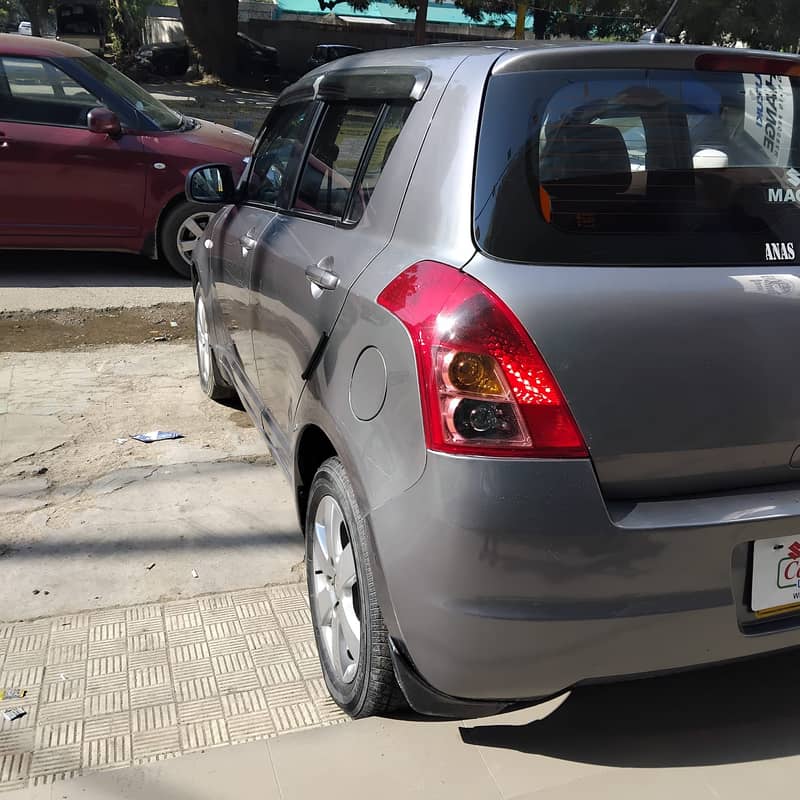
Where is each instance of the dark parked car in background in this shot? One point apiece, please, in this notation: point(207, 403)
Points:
point(90, 161)
point(325, 53)
point(255, 61)
point(168, 59)
point(520, 324)
point(81, 24)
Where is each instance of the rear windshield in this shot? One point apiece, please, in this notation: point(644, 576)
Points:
point(639, 167)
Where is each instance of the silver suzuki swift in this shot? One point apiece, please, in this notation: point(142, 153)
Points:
point(522, 326)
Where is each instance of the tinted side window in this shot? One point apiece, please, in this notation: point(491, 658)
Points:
point(384, 144)
point(40, 92)
point(279, 153)
point(332, 164)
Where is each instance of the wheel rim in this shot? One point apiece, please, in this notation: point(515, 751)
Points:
point(190, 232)
point(335, 595)
point(203, 343)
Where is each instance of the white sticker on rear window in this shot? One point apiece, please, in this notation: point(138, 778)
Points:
point(769, 115)
point(780, 285)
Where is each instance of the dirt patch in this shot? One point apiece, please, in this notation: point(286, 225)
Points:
point(75, 328)
point(240, 419)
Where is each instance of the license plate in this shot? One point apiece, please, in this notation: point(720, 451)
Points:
point(776, 575)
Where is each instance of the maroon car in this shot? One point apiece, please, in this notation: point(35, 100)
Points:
point(90, 161)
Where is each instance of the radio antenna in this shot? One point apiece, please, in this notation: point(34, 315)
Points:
point(656, 35)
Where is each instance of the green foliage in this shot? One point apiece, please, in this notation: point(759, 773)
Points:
point(770, 24)
point(126, 19)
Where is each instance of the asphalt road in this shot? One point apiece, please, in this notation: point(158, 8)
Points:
point(51, 280)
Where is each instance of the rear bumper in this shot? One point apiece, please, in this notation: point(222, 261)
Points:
point(513, 580)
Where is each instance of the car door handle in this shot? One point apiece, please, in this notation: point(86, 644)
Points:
point(321, 274)
point(3, 141)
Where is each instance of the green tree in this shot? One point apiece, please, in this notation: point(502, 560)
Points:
point(211, 27)
point(126, 22)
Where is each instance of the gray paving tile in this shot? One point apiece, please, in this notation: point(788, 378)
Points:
point(237, 681)
point(107, 726)
point(60, 712)
point(106, 703)
point(230, 644)
point(204, 734)
point(57, 760)
point(149, 695)
point(108, 752)
point(140, 685)
point(145, 614)
point(14, 768)
point(255, 725)
point(188, 670)
point(295, 717)
point(154, 743)
point(198, 710)
point(215, 602)
point(151, 718)
point(59, 734)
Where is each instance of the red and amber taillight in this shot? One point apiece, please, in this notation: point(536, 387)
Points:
point(485, 388)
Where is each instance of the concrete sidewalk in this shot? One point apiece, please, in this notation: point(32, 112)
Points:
point(90, 518)
point(713, 734)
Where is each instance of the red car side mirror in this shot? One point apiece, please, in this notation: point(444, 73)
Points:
point(102, 120)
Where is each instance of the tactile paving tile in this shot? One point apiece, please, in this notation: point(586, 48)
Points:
point(122, 686)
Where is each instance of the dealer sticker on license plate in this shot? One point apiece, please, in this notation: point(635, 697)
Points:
point(776, 575)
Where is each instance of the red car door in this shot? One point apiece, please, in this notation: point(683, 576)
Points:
point(67, 186)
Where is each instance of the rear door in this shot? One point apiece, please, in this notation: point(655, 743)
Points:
point(71, 186)
point(644, 228)
point(341, 215)
point(308, 259)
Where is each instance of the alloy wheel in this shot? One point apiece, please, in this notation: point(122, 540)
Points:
point(335, 589)
point(203, 341)
point(190, 232)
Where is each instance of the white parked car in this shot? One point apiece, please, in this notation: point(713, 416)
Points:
point(24, 29)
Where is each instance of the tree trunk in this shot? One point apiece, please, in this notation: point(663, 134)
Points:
point(541, 19)
point(36, 11)
point(421, 22)
point(522, 15)
point(211, 26)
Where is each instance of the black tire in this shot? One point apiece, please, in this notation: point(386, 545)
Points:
point(374, 689)
point(171, 226)
point(212, 382)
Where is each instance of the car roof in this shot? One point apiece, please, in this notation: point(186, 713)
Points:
point(12, 44)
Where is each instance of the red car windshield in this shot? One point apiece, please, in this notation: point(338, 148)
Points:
point(147, 105)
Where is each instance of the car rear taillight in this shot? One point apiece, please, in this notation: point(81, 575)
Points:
point(485, 388)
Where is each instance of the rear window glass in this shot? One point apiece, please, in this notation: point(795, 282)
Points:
point(639, 167)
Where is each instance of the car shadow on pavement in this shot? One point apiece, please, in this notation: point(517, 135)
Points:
point(727, 714)
point(48, 269)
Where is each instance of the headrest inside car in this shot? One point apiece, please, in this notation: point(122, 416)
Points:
point(589, 160)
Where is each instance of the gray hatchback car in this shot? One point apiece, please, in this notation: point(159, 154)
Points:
point(521, 324)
